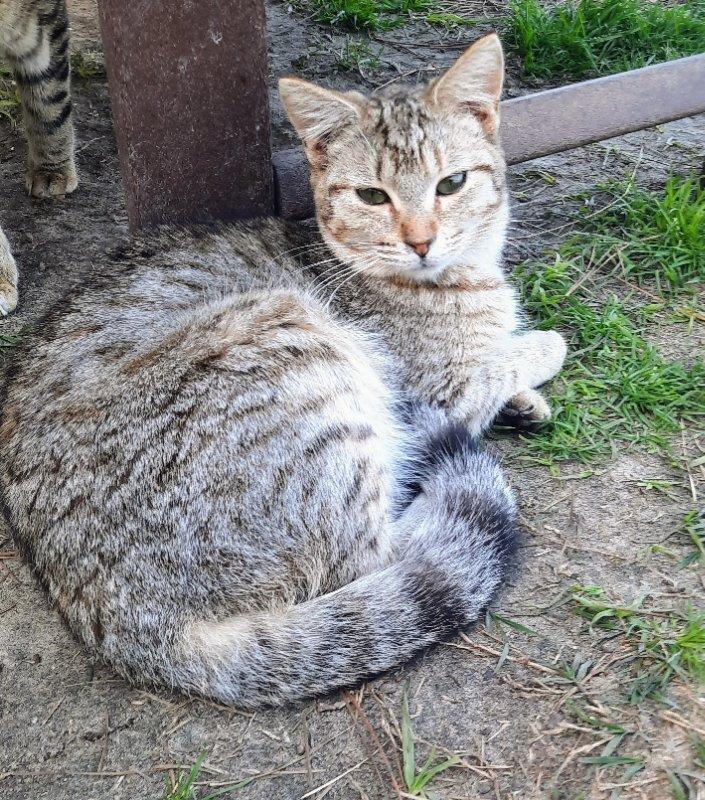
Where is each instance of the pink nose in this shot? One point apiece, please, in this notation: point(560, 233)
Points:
point(421, 248)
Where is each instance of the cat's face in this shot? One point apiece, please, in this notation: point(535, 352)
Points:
point(410, 181)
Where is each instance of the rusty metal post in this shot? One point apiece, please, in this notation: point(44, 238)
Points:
point(188, 88)
point(555, 120)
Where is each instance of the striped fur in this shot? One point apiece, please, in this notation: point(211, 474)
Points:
point(34, 37)
point(210, 475)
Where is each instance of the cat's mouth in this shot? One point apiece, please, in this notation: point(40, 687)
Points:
point(425, 266)
point(425, 269)
point(385, 260)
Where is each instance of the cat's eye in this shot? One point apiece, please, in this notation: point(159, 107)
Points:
point(372, 196)
point(452, 183)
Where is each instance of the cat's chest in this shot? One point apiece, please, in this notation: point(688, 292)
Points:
point(430, 324)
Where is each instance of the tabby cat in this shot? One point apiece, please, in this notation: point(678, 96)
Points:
point(208, 453)
point(34, 36)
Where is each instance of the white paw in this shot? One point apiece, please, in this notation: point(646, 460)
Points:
point(8, 278)
point(554, 345)
point(549, 350)
point(8, 298)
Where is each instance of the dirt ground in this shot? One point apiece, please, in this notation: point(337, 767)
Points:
point(498, 698)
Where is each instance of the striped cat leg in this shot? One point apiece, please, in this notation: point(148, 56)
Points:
point(37, 41)
point(8, 278)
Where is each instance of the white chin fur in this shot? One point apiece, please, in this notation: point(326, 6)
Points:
point(424, 272)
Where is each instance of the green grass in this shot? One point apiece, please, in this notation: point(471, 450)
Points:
point(356, 56)
point(352, 54)
point(654, 238)
point(583, 716)
point(10, 107)
point(665, 487)
point(8, 341)
point(381, 15)
point(417, 778)
point(616, 388)
point(87, 65)
point(609, 758)
point(364, 15)
point(663, 645)
point(597, 37)
point(185, 788)
point(694, 530)
point(699, 751)
point(678, 791)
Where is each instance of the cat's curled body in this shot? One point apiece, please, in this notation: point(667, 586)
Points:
point(203, 466)
point(201, 453)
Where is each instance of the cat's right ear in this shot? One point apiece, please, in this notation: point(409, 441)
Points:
point(316, 112)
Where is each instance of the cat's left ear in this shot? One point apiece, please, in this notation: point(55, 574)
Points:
point(315, 112)
point(474, 82)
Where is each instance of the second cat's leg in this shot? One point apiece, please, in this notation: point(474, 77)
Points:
point(35, 37)
point(8, 277)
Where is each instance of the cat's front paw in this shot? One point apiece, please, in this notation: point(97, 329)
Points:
point(8, 278)
point(549, 352)
point(527, 410)
point(49, 181)
point(8, 298)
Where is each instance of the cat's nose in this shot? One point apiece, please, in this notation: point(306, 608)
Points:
point(421, 248)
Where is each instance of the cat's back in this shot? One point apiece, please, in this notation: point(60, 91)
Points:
point(148, 288)
point(158, 422)
point(93, 352)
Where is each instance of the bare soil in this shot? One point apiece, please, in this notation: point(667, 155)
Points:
point(69, 729)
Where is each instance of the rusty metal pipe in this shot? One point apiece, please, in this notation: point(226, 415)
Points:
point(555, 120)
point(188, 88)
